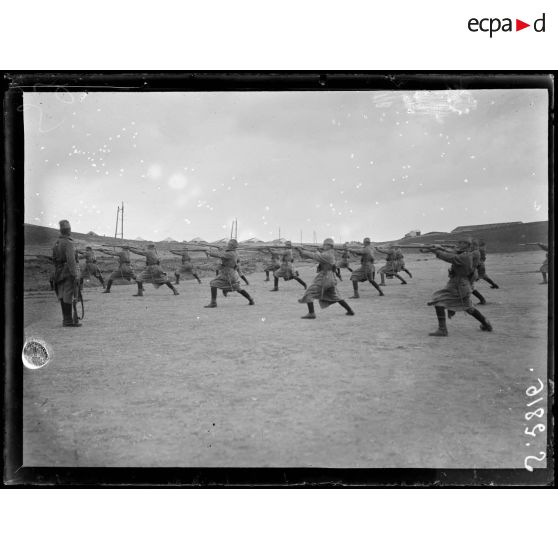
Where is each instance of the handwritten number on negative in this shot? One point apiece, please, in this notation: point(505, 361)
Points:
point(527, 466)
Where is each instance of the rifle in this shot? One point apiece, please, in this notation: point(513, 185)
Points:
point(178, 252)
point(423, 246)
point(75, 297)
point(38, 256)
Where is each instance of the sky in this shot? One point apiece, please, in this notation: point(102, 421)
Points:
point(343, 164)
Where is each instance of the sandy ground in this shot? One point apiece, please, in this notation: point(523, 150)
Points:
point(163, 381)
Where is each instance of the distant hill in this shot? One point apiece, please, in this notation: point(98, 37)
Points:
point(501, 237)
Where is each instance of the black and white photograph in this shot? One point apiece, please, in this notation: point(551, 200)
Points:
point(349, 277)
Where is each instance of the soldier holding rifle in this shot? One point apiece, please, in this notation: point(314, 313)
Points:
point(475, 253)
point(482, 266)
point(391, 268)
point(344, 260)
point(400, 259)
point(323, 287)
point(125, 269)
point(90, 267)
point(153, 272)
point(186, 265)
point(286, 269)
point(228, 278)
point(544, 267)
point(366, 271)
point(456, 295)
point(274, 265)
point(66, 274)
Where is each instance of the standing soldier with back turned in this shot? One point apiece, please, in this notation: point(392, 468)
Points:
point(66, 273)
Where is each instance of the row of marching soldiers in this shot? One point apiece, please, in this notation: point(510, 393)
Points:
point(467, 259)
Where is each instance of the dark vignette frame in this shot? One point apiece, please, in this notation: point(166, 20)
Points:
point(12, 136)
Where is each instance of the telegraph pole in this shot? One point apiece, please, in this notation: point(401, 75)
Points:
point(117, 217)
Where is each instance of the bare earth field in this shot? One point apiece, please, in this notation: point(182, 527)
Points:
point(161, 381)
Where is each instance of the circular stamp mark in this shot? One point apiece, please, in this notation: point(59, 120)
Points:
point(35, 354)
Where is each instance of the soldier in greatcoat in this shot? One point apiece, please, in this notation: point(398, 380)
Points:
point(286, 269)
point(476, 255)
point(153, 272)
point(125, 269)
point(344, 260)
point(482, 266)
point(544, 266)
point(274, 265)
point(390, 269)
point(228, 278)
point(400, 259)
point(324, 286)
point(66, 272)
point(90, 267)
point(366, 271)
point(186, 266)
point(456, 295)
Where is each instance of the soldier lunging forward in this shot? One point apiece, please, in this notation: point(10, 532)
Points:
point(324, 285)
point(125, 269)
point(153, 272)
point(366, 271)
point(286, 269)
point(91, 267)
point(186, 265)
point(456, 296)
point(228, 278)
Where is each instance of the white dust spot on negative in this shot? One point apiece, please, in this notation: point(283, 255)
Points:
point(352, 155)
point(187, 221)
point(155, 171)
point(263, 319)
point(177, 181)
point(537, 205)
point(466, 180)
